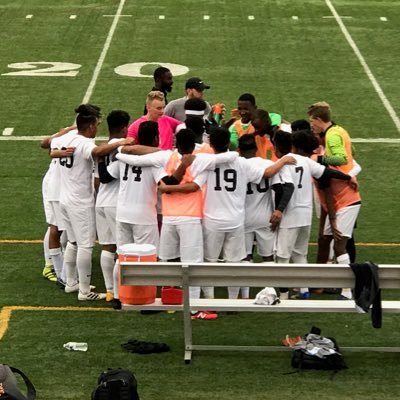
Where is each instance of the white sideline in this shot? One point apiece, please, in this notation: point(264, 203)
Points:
point(364, 64)
point(104, 138)
point(103, 54)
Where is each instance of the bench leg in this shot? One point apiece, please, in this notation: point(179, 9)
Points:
point(187, 317)
point(188, 356)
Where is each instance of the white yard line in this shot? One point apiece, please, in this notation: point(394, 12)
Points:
point(112, 15)
point(365, 66)
point(103, 54)
point(104, 138)
point(340, 16)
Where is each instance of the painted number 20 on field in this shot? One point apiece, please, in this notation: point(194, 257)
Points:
point(47, 68)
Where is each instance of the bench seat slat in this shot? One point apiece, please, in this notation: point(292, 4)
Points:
point(248, 305)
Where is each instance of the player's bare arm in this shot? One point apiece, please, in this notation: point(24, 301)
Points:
point(273, 169)
point(107, 148)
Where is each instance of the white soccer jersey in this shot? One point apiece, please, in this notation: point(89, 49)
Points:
point(137, 196)
point(108, 192)
point(224, 201)
point(299, 210)
point(76, 172)
point(259, 200)
point(54, 179)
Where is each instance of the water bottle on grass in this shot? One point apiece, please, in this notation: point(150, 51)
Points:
point(74, 346)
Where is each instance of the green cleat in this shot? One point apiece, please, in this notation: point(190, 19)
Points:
point(48, 273)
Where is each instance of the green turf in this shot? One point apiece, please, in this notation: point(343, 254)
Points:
point(287, 65)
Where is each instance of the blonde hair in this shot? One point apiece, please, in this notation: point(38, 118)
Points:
point(155, 95)
point(321, 110)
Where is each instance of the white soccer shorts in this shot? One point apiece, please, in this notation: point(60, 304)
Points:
point(80, 225)
point(232, 245)
point(292, 240)
point(106, 225)
point(57, 216)
point(182, 240)
point(48, 212)
point(140, 234)
point(345, 220)
point(265, 239)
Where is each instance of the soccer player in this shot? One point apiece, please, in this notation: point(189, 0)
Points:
point(295, 226)
point(155, 105)
point(260, 203)
point(194, 88)
point(77, 202)
point(52, 189)
point(163, 81)
point(106, 202)
point(263, 132)
point(246, 108)
point(181, 234)
point(347, 201)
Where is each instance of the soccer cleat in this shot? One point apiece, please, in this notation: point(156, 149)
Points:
point(48, 273)
point(75, 288)
point(109, 296)
point(91, 296)
point(61, 284)
point(205, 315)
point(71, 289)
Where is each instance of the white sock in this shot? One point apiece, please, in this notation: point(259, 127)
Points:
point(282, 260)
point(299, 258)
point(47, 258)
point(194, 292)
point(233, 292)
point(107, 260)
point(63, 240)
point(245, 292)
point(70, 264)
point(346, 292)
point(58, 260)
point(208, 292)
point(84, 267)
point(116, 280)
point(344, 259)
point(284, 296)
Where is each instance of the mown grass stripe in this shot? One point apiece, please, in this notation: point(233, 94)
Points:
point(367, 70)
point(6, 313)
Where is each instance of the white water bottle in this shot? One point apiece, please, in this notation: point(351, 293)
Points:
point(74, 346)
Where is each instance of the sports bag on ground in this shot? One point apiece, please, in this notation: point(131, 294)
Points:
point(10, 384)
point(116, 384)
point(317, 352)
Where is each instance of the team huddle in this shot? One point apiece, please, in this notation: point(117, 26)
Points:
point(196, 187)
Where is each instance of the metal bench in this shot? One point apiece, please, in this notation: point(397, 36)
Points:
point(253, 275)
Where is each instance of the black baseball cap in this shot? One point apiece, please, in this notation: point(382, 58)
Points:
point(196, 83)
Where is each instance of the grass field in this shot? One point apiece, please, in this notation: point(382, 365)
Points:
point(287, 63)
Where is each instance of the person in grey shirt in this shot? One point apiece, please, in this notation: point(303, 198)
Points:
point(194, 88)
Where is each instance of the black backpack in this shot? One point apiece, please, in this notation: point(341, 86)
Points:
point(10, 384)
point(116, 384)
point(303, 360)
